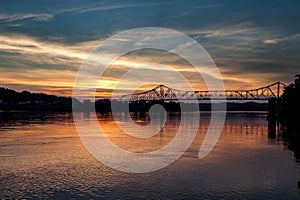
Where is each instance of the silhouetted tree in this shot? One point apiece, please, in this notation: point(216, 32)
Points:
point(11, 99)
point(290, 112)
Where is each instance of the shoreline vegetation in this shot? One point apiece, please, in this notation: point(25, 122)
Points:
point(289, 116)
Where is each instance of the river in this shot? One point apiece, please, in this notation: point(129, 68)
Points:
point(42, 156)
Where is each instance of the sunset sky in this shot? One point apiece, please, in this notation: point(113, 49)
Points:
point(43, 43)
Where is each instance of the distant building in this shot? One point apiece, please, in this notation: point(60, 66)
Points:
point(38, 102)
point(24, 102)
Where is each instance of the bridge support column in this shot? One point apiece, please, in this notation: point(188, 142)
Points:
point(273, 117)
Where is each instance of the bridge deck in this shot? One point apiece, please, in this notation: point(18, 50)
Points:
point(162, 92)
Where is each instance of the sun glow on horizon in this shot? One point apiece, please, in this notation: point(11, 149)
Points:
point(51, 68)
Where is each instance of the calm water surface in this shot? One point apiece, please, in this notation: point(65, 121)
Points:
point(42, 156)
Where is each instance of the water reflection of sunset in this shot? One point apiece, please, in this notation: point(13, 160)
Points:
point(43, 153)
point(134, 144)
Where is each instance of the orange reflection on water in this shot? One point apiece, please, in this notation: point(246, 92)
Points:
point(42, 156)
point(162, 138)
point(135, 144)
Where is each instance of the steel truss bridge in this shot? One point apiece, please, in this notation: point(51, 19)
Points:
point(164, 93)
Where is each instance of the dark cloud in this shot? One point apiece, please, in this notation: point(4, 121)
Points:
point(243, 37)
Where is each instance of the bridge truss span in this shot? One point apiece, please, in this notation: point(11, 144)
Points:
point(165, 93)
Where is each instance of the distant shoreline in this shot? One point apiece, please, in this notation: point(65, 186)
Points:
point(247, 106)
point(27, 101)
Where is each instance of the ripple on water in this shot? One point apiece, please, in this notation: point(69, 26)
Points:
point(46, 159)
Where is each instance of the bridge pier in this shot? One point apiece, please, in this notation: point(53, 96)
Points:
point(273, 116)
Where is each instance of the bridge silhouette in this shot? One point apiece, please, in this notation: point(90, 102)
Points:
point(165, 93)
